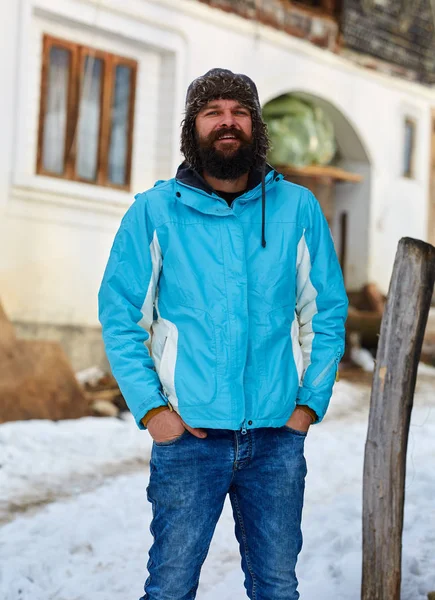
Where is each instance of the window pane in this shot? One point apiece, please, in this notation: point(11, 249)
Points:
point(88, 128)
point(118, 151)
point(53, 143)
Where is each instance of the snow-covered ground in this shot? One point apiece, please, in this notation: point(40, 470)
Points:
point(76, 519)
point(44, 460)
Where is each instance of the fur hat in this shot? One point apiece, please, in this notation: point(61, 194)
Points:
point(222, 84)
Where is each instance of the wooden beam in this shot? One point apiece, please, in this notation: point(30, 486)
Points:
point(343, 243)
point(318, 171)
point(399, 349)
point(431, 204)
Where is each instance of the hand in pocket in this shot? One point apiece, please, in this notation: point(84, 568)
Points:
point(167, 425)
point(299, 420)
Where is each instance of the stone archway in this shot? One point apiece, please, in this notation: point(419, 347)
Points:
point(346, 203)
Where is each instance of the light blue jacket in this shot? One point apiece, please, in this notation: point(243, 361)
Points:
point(196, 312)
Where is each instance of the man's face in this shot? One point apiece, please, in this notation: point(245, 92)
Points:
point(224, 123)
point(224, 136)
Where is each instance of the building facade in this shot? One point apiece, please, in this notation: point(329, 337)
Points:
point(93, 95)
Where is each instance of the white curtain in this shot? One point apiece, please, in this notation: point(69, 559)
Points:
point(53, 144)
point(118, 150)
point(88, 127)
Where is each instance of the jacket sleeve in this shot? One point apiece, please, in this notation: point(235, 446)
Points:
point(126, 308)
point(321, 307)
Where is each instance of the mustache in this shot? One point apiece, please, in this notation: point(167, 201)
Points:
point(220, 133)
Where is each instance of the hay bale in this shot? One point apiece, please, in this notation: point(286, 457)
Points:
point(37, 382)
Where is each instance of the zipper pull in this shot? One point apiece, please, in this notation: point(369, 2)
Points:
point(244, 431)
point(171, 408)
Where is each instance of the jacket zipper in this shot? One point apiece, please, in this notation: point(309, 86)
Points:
point(321, 376)
point(244, 430)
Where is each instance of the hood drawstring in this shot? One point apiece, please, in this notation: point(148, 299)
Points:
point(263, 206)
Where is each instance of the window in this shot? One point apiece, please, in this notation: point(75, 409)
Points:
point(86, 114)
point(409, 148)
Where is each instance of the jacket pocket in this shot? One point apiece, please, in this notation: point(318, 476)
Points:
point(283, 362)
point(165, 355)
point(196, 372)
point(332, 364)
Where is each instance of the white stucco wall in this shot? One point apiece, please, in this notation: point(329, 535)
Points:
point(55, 235)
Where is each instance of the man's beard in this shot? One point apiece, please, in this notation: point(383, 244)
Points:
point(226, 164)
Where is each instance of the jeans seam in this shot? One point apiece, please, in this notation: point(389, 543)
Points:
point(245, 546)
point(195, 587)
point(150, 562)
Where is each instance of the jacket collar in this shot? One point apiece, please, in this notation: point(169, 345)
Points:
point(194, 191)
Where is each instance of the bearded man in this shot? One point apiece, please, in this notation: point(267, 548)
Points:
point(223, 311)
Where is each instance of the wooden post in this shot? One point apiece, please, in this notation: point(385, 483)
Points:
point(399, 349)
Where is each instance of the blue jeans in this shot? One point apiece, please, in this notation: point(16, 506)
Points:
point(263, 471)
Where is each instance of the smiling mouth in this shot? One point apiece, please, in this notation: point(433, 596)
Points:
point(227, 137)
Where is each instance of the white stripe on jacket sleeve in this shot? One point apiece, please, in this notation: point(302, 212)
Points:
point(147, 309)
point(306, 306)
point(126, 309)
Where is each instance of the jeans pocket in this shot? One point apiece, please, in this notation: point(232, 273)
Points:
point(302, 434)
point(171, 442)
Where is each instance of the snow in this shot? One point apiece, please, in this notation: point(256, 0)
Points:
point(363, 358)
point(424, 369)
point(91, 375)
point(42, 460)
point(74, 496)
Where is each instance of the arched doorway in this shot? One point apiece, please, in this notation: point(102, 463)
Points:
point(343, 189)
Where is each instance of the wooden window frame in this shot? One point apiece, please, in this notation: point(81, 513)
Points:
point(410, 174)
point(328, 8)
point(78, 54)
